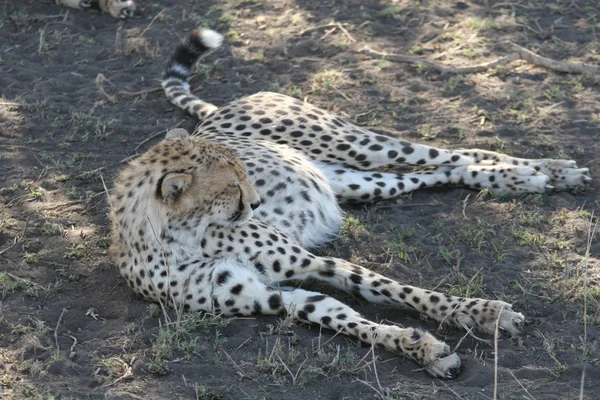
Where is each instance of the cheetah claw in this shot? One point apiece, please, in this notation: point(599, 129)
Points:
point(85, 3)
point(511, 321)
point(562, 174)
point(501, 313)
point(445, 364)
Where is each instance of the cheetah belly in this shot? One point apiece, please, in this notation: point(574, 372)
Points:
point(295, 196)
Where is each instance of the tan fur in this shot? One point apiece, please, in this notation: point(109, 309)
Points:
point(116, 8)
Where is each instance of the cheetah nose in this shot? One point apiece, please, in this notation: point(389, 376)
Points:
point(255, 204)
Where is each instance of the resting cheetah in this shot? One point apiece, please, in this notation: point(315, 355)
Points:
point(184, 234)
point(121, 9)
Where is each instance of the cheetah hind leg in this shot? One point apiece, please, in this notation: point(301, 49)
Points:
point(353, 186)
point(238, 290)
point(562, 174)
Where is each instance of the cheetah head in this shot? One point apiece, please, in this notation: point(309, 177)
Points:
point(122, 9)
point(201, 180)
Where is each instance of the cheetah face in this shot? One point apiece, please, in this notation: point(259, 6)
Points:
point(218, 195)
point(204, 181)
point(122, 9)
point(235, 204)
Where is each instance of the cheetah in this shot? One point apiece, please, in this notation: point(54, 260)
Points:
point(219, 220)
point(120, 9)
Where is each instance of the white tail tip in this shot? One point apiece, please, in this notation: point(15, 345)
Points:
point(211, 38)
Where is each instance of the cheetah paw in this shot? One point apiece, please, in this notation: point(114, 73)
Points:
point(122, 9)
point(563, 174)
point(85, 3)
point(510, 321)
point(497, 311)
point(501, 178)
point(443, 364)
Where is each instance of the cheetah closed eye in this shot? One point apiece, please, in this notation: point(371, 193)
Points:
point(216, 220)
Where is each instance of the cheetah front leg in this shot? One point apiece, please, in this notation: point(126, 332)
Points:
point(237, 289)
point(280, 259)
point(480, 314)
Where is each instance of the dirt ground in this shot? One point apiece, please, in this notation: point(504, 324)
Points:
point(79, 95)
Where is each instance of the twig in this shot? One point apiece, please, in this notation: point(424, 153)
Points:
point(26, 281)
point(3, 103)
point(497, 5)
point(327, 33)
point(17, 240)
point(520, 384)
point(554, 65)
point(72, 349)
point(56, 329)
point(141, 92)
point(582, 383)
point(314, 28)
point(151, 22)
point(87, 174)
point(544, 112)
point(348, 35)
point(470, 333)
point(590, 239)
point(106, 191)
point(465, 203)
point(338, 91)
point(519, 53)
point(443, 69)
point(469, 330)
point(162, 132)
point(452, 390)
point(100, 79)
point(41, 17)
point(496, 353)
point(128, 372)
point(41, 46)
point(8, 248)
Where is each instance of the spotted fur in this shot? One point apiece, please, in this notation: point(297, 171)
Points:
point(121, 9)
point(216, 221)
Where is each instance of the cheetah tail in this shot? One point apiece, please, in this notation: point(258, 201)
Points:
point(179, 67)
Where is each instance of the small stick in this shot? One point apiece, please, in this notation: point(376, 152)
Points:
point(348, 35)
point(56, 329)
point(141, 92)
point(41, 41)
point(554, 65)
point(86, 174)
point(314, 28)
point(162, 132)
point(100, 79)
point(442, 69)
point(151, 22)
point(27, 281)
point(519, 53)
point(464, 209)
point(520, 384)
point(327, 33)
point(496, 353)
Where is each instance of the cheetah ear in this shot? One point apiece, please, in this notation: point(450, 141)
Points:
point(177, 133)
point(173, 185)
